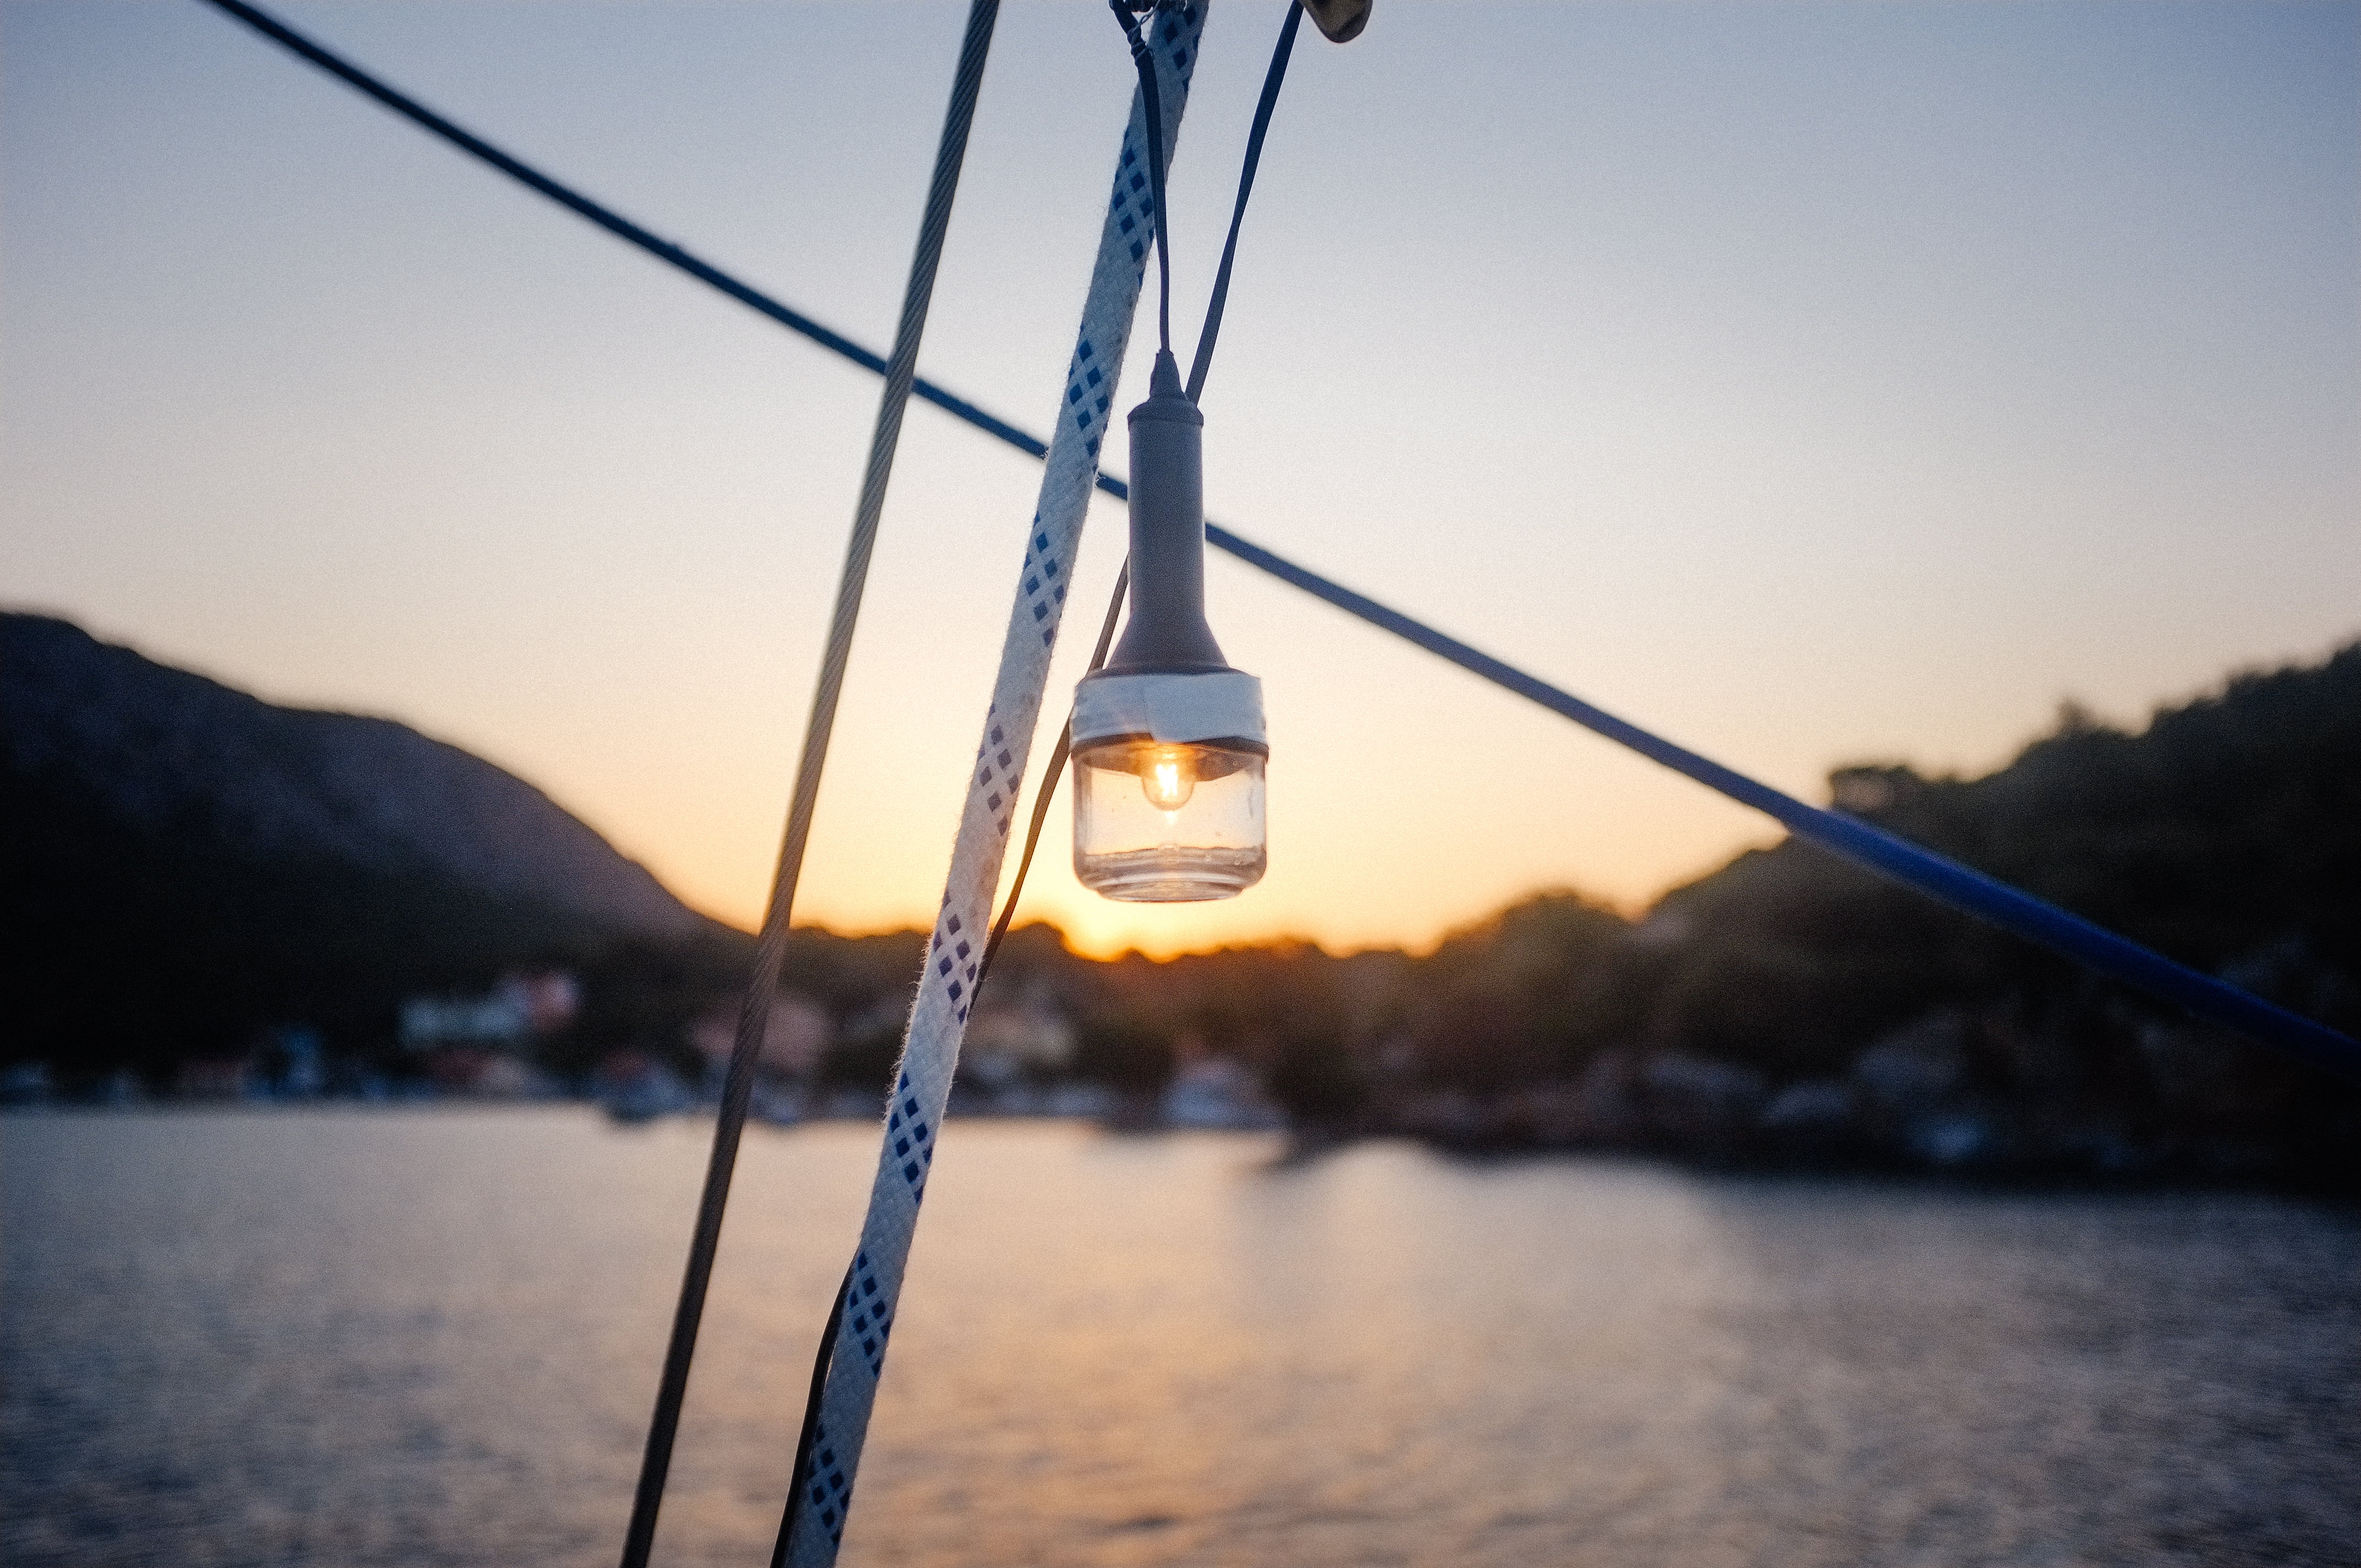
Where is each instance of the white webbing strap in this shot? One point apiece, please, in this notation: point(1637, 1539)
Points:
point(938, 1019)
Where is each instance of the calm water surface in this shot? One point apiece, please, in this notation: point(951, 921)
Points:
point(422, 1337)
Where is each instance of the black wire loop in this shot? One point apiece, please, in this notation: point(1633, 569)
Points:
point(1152, 106)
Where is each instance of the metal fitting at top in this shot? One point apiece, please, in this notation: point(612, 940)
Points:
point(1339, 21)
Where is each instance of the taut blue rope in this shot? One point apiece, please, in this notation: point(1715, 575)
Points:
point(1935, 875)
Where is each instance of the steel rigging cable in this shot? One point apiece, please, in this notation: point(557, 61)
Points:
point(1937, 876)
point(753, 1017)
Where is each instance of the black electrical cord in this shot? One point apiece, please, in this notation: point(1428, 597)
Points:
point(1206, 336)
point(1271, 79)
point(810, 1432)
point(1057, 756)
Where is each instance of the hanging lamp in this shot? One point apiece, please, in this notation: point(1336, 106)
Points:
point(1169, 744)
point(1168, 739)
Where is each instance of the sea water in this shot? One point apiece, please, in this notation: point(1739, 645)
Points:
point(428, 1336)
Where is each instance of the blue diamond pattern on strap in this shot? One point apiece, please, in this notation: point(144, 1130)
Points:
point(830, 1491)
point(915, 1108)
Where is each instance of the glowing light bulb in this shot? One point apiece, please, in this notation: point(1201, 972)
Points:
point(1167, 821)
point(1167, 776)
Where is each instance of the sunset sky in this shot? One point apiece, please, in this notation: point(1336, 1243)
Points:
point(1812, 383)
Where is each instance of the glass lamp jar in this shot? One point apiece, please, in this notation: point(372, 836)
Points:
point(1161, 822)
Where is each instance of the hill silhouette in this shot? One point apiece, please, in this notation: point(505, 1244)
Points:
point(180, 862)
point(185, 865)
point(1791, 1008)
point(1792, 1005)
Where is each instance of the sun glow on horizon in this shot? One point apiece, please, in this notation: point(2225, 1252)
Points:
point(1802, 423)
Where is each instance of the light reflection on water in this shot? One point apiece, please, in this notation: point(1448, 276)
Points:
point(421, 1337)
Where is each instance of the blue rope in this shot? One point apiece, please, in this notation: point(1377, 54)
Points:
point(1937, 876)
